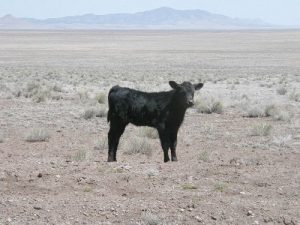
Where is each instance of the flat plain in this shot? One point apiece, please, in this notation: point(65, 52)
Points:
point(238, 148)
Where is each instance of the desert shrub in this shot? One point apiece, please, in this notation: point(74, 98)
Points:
point(282, 141)
point(254, 111)
point(37, 135)
point(270, 110)
point(148, 132)
point(99, 111)
point(261, 129)
point(36, 91)
point(204, 156)
point(220, 187)
point(56, 96)
point(137, 145)
point(83, 96)
point(282, 116)
point(208, 106)
point(295, 96)
point(188, 187)
point(101, 144)
point(16, 92)
point(89, 113)
point(151, 219)
point(281, 91)
point(101, 97)
point(80, 155)
point(57, 88)
point(1, 138)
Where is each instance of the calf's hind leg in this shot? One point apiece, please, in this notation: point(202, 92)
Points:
point(116, 130)
point(173, 139)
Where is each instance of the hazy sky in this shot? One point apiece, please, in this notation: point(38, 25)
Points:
point(285, 12)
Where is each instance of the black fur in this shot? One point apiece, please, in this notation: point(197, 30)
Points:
point(162, 110)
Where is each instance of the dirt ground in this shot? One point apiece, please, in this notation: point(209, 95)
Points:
point(230, 169)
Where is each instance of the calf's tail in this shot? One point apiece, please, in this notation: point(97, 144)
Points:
point(110, 104)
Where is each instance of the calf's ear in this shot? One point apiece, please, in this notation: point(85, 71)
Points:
point(198, 86)
point(174, 85)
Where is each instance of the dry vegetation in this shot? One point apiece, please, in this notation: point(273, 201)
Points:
point(238, 148)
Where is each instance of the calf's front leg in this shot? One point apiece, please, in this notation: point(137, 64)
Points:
point(165, 144)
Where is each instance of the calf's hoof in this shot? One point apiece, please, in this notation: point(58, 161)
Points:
point(166, 160)
point(111, 159)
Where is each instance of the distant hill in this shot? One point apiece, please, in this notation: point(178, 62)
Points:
point(161, 18)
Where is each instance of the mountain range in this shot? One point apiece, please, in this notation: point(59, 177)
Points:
point(160, 18)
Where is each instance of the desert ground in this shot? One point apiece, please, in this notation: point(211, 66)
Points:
point(238, 148)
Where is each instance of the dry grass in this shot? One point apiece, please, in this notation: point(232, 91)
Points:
point(137, 145)
point(281, 90)
point(208, 106)
point(96, 111)
point(148, 132)
point(1, 138)
point(261, 129)
point(37, 135)
point(151, 219)
point(220, 187)
point(101, 97)
point(282, 116)
point(294, 96)
point(204, 156)
point(282, 141)
point(80, 155)
point(254, 111)
point(101, 144)
point(37, 92)
point(188, 187)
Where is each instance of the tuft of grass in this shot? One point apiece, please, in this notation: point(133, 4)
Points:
point(101, 111)
point(148, 132)
point(83, 96)
point(282, 141)
point(57, 88)
point(267, 111)
point(281, 90)
point(80, 156)
point(1, 138)
point(101, 97)
point(36, 92)
point(94, 112)
point(255, 111)
point(87, 189)
point(37, 135)
point(204, 156)
point(220, 187)
point(151, 219)
point(188, 187)
point(282, 116)
point(137, 145)
point(261, 129)
point(208, 106)
point(270, 110)
point(101, 144)
point(295, 96)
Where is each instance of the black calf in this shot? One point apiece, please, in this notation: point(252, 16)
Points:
point(162, 110)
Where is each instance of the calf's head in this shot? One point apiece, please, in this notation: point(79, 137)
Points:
point(185, 92)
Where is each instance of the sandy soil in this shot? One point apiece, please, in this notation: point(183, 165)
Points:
point(225, 173)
